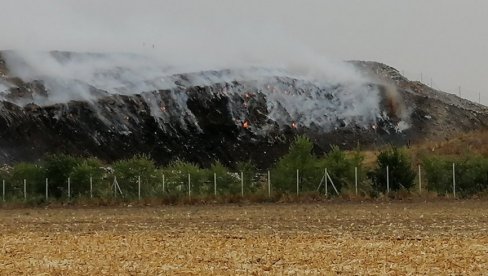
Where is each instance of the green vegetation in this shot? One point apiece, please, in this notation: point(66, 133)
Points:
point(299, 157)
point(58, 168)
point(90, 177)
point(34, 179)
point(471, 173)
point(86, 170)
point(128, 173)
point(400, 172)
point(341, 168)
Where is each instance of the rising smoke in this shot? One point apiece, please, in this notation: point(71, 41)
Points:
point(150, 51)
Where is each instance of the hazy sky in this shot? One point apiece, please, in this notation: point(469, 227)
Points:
point(445, 40)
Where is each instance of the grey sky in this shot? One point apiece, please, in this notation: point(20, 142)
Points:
point(446, 40)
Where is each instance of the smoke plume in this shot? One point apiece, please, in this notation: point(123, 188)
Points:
point(152, 48)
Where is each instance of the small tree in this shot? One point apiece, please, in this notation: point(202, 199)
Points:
point(340, 166)
point(128, 172)
point(438, 171)
point(177, 178)
point(300, 158)
point(471, 174)
point(401, 174)
point(33, 174)
point(249, 171)
point(80, 177)
point(227, 183)
point(58, 168)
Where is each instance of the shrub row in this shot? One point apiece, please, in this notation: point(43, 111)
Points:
point(299, 162)
point(85, 172)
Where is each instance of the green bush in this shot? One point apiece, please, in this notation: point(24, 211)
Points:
point(128, 172)
point(58, 168)
point(227, 182)
point(80, 178)
point(401, 174)
point(249, 171)
point(300, 158)
point(471, 174)
point(34, 176)
point(340, 167)
point(177, 178)
point(438, 173)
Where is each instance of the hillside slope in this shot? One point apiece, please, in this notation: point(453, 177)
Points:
point(226, 115)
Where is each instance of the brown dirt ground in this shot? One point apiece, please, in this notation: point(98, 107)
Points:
point(442, 237)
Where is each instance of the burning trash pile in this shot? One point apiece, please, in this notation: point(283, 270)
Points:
point(90, 104)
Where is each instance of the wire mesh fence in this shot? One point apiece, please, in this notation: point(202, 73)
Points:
point(232, 184)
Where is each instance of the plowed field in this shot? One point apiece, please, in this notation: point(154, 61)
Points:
point(327, 238)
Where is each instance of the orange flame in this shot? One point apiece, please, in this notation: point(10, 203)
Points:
point(246, 124)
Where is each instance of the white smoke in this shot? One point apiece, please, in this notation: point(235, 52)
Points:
point(324, 94)
point(3, 87)
point(147, 50)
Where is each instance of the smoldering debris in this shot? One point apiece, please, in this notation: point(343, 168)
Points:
point(310, 99)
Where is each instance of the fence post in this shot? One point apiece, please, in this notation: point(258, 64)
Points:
point(47, 189)
point(91, 186)
point(215, 184)
point(25, 190)
point(3, 190)
point(164, 184)
point(139, 187)
point(69, 188)
point(387, 179)
point(189, 187)
point(269, 183)
point(242, 184)
point(420, 180)
point(454, 179)
point(115, 186)
point(298, 182)
point(356, 179)
point(326, 182)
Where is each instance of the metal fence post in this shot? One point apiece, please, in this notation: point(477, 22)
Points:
point(454, 179)
point(91, 187)
point(326, 182)
point(69, 188)
point(215, 184)
point(189, 187)
point(298, 182)
point(25, 189)
point(139, 187)
point(387, 179)
point(420, 180)
point(242, 184)
point(164, 184)
point(356, 179)
point(47, 189)
point(3, 190)
point(269, 183)
point(115, 186)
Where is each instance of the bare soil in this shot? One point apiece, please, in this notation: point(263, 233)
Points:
point(442, 237)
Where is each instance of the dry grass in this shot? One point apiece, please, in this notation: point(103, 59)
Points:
point(458, 146)
point(447, 237)
point(467, 143)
